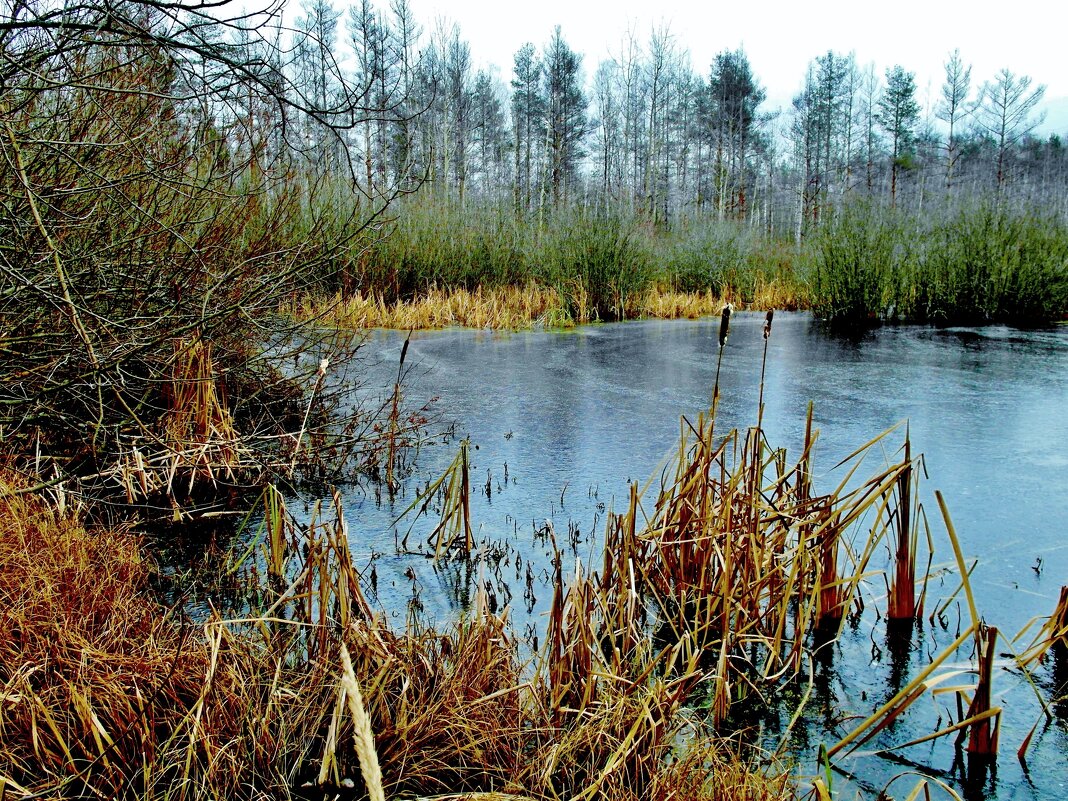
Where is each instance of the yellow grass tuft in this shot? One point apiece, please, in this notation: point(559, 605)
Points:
point(498, 308)
point(519, 307)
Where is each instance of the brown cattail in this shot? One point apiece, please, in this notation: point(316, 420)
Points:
point(767, 323)
point(724, 324)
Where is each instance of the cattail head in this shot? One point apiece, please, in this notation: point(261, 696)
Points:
point(724, 324)
point(767, 323)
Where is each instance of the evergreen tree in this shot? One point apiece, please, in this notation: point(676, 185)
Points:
point(566, 124)
point(528, 111)
point(898, 115)
point(735, 96)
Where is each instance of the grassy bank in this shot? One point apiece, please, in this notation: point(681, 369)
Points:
point(441, 264)
point(511, 308)
point(478, 266)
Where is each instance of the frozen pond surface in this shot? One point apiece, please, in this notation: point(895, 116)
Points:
point(574, 416)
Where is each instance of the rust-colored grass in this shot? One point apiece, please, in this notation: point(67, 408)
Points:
point(102, 693)
point(90, 669)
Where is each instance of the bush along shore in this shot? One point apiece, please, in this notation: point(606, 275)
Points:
point(478, 266)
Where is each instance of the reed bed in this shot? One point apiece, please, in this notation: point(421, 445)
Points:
point(717, 585)
point(480, 265)
point(528, 306)
point(104, 694)
point(973, 265)
point(739, 564)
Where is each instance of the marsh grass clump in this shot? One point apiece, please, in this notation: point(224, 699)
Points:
point(598, 264)
point(971, 265)
point(509, 307)
point(91, 672)
point(983, 264)
point(441, 244)
point(743, 563)
point(711, 257)
point(856, 262)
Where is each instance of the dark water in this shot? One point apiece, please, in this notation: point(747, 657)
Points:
point(577, 415)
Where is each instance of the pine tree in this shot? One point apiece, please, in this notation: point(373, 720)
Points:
point(898, 115)
point(566, 124)
point(528, 111)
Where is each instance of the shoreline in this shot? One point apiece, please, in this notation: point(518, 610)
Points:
point(516, 308)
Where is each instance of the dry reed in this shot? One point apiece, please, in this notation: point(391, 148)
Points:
point(519, 307)
point(89, 668)
point(251, 708)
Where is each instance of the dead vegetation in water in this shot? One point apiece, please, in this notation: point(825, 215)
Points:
point(195, 460)
point(716, 586)
point(103, 694)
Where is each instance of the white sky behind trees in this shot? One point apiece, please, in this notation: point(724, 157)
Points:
point(780, 37)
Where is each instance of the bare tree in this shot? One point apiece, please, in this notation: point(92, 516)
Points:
point(148, 157)
point(1004, 114)
point(954, 107)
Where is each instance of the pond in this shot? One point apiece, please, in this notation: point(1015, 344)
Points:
point(561, 422)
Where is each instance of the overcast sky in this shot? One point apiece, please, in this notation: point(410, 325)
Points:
point(780, 37)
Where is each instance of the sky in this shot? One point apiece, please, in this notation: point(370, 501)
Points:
point(781, 37)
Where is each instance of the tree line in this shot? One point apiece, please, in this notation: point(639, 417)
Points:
point(649, 134)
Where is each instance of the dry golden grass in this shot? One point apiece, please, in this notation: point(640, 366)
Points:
point(514, 308)
point(670, 305)
point(102, 694)
point(89, 667)
point(498, 308)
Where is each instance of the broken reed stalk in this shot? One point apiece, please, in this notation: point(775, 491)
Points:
point(983, 733)
point(724, 329)
point(453, 529)
point(830, 610)
point(1059, 634)
point(901, 603)
point(1053, 634)
point(320, 374)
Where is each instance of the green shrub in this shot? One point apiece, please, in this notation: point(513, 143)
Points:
point(857, 263)
point(597, 262)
